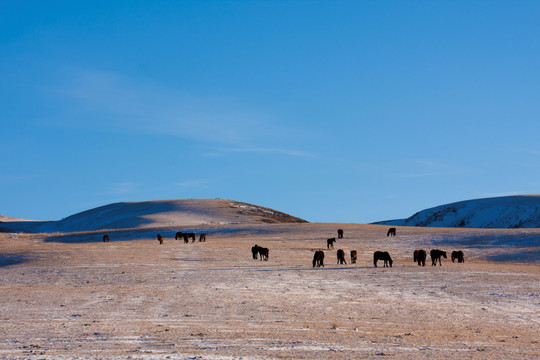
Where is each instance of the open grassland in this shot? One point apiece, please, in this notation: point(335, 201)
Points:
point(67, 296)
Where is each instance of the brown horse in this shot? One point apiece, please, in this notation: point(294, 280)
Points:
point(318, 258)
point(382, 255)
point(340, 233)
point(202, 238)
point(330, 242)
point(106, 238)
point(353, 256)
point(160, 239)
point(458, 255)
point(436, 255)
point(391, 232)
point(341, 257)
point(420, 257)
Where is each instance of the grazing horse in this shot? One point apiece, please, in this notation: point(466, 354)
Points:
point(341, 257)
point(382, 255)
point(255, 251)
point(340, 233)
point(391, 232)
point(263, 252)
point(179, 235)
point(192, 236)
point(106, 238)
point(436, 255)
point(202, 238)
point(186, 238)
point(330, 242)
point(458, 255)
point(353, 256)
point(318, 258)
point(420, 257)
point(160, 239)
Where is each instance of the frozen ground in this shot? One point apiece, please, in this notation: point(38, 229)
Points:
point(73, 296)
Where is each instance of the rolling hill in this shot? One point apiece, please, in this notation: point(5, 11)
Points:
point(149, 214)
point(507, 212)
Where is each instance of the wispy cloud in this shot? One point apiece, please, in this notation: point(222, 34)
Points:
point(193, 183)
point(108, 101)
point(426, 168)
point(125, 188)
point(11, 179)
point(277, 151)
point(530, 151)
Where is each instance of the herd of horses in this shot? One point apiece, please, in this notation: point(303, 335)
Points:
point(418, 257)
point(179, 235)
point(186, 236)
point(436, 255)
point(259, 252)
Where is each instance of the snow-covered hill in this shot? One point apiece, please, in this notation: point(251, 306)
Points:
point(149, 214)
point(494, 213)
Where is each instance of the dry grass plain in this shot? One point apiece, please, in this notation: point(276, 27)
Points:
point(74, 296)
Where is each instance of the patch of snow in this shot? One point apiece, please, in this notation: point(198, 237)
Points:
point(499, 212)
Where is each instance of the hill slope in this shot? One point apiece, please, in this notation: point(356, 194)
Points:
point(146, 214)
point(494, 213)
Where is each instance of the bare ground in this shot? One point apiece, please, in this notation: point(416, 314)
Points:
point(132, 298)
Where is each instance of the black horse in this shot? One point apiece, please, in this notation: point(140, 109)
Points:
point(420, 257)
point(382, 255)
point(318, 258)
point(178, 235)
point(185, 237)
point(436, 255)
point(458, 255)
point(330, 243)
point(354, 255)
point(391, 232)
point(341, 257)
point(255, 251)
point(340, 233)
point(106, 238)
point(263, 253)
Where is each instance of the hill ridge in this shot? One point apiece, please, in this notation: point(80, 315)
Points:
point(504, 212)
point(156, 213)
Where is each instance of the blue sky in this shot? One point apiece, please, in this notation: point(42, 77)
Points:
point(333, 111)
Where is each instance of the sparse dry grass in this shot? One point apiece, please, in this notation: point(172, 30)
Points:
point(139, 299)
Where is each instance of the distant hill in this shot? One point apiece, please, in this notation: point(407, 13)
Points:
point(146, 214)
point(491, 213)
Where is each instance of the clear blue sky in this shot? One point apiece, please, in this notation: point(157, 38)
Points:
point(333, 111)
